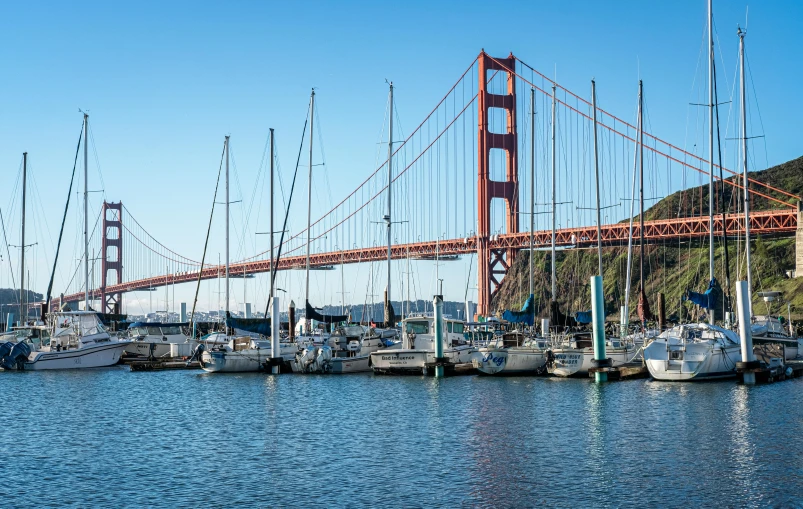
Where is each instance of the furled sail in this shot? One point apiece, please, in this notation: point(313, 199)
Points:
point(644, 312)
point(525, 316)
point(709, 299)
point(255, 325)
point(313, 314)
point(557, 318)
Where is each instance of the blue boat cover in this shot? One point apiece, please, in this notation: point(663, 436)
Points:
point(583, 316)
point(525, 316)
point(707, 300)
point(255, 325)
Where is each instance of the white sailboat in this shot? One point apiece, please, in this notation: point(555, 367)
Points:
point(574, 354)
point(515, 353)
point(703, 351)
point(349, 348)
point(696, 351)
point(246, 353)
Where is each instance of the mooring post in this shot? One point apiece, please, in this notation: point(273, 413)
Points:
point(623, 322)
point(545, 327)
point(438, 305)
point(745, 330)
point(9, 321)
point(183, 317)
point(598, 320)
point(274, 336)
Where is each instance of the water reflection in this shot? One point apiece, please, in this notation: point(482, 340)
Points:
point(397, 442)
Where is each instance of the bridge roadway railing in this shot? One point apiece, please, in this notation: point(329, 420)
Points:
point(772, 222)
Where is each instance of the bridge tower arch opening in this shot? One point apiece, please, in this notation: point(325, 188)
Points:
point(112, 255)
point(493, 264)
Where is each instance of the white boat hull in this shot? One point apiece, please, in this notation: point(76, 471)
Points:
point(93, 356)
point(242, 361)
point(695, 364)
point(509, 361)
point(345, 365)
point(577, 362)
point(402, 361)
point(143, 349)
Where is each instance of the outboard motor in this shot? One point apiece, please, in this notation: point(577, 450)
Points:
point(196, 354)
point(306, 357)
point(322, 360)
point(16, 358)
point(5, 348)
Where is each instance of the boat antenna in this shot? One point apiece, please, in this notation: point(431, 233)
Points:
point(287, 211)
point(309, 209)
point(206, 243)
point(61, 232)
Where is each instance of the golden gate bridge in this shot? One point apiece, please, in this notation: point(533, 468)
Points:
point(466, 162)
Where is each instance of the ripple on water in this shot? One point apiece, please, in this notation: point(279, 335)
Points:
point(110, 437)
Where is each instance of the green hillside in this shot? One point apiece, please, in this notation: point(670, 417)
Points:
point(670, 267)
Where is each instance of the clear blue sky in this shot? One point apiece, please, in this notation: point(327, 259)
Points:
point(165, 81)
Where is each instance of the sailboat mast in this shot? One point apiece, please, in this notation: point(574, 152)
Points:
point(86, 214)
point(745, 181)
point(532, 189)
point(390, 179)
point(554, 283)
point(710, 149)
point(23, 307)
point(272, 268)
point(641, 184)
point(309, 202)
point(630, 226)
point(596, 174)
point(227, 228)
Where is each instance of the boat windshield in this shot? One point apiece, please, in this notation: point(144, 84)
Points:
point(154, 331)
point(139, 331)
point(85, 325)
point(354, 330)
point(456, 327)
point(421, 327)
point(171, 330)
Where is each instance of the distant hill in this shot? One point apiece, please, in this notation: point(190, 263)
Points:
point(670, 267)
point(9, 301)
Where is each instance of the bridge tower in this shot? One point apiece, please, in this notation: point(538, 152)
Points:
point(112, 254)
point(493, 264)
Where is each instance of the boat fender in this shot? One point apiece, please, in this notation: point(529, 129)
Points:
point(789, 371)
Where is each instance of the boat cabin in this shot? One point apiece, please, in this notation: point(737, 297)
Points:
point(419, 333)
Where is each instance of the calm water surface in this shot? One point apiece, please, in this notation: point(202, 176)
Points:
point(109, 437)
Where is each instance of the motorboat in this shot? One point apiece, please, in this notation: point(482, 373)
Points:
point(417, 352)
point(512, 354)
point(347, 350)
point(154, 339)
point(695, 351)
point(77, 339)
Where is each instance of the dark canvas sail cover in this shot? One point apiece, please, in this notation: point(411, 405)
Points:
point(644, 313)
point(313, 314)
point(255, 325)
point(525, 316)
point(709, 299)
point(390, 315)
point(557, 318)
